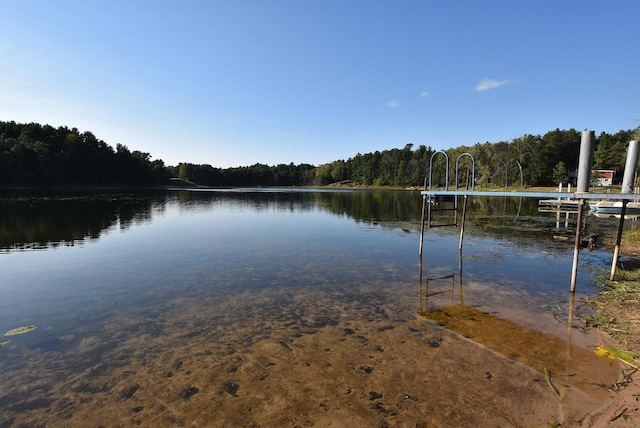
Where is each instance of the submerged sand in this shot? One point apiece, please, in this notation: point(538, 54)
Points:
point(282, 357)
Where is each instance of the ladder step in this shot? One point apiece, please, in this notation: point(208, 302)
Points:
point(453, 275)
point(444, 209)
point(439, 292)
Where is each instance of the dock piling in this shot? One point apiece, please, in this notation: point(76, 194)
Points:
point(616, 249)
point(576, 248)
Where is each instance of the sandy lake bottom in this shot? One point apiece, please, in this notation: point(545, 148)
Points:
point(296, 309)
point(281, 356)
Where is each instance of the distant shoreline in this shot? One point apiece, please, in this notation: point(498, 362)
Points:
point(180, 184)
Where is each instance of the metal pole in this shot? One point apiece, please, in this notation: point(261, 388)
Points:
point(464, 214)
point(587, 144)
point(576, 249)
point(424, 199)
point(453, 287)
point(572, 301)
point(420, 279)
point(616, 249)
point(460, 269)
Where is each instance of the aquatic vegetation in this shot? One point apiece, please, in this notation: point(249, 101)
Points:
point(617, 303)
point(552, 387)
point(613, 353)
point(627, 357)
point(20, 330)
point(3, 344)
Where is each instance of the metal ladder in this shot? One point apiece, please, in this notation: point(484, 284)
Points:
point(428, 201)
point(425, 294)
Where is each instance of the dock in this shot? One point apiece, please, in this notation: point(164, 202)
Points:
point(553, 200)
point(558, 205)
point(576, 200)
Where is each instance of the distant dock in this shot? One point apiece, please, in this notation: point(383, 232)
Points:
point(558, 205)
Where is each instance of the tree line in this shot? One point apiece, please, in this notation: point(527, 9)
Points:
point(41, 155)
point(530, 160)
point(36, 155)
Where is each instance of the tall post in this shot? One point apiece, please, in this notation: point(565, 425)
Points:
point(424, 202)
point(420, 280)
point(616, 249)
point(630, 170)
point(630, 167)
point(576, 249)
point(460, 270)
point(464, 214)
point(587, 144)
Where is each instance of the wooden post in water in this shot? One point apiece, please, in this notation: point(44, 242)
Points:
point(628, 180)
point(587, 144)
point(424, 197)
point(460, 274)
point(616, 249)
point(420, 279)
point(576, 249)
point(464, 214)
point(424, 201)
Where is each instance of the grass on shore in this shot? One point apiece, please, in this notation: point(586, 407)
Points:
point(617, 305)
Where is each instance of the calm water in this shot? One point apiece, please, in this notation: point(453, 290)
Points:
point(113, 279)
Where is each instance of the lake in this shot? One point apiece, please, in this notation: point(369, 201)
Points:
point(284, 307)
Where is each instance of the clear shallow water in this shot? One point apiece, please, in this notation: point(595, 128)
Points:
point(101, 275)
point(253, 237)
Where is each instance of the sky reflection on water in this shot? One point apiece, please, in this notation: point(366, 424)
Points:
point(230, 233)
point(234, 269)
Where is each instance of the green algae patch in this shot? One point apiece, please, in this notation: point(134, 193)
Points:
point(3, 344)
point(20, 330)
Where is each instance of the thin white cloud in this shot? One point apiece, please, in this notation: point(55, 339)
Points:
point(393, 104)
point(424, 94)
point(487, 84)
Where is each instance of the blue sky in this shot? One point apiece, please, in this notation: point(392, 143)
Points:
point(237, 82)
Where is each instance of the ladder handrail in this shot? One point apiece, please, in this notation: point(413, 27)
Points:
point(473, 169)
point(446, 156)
point(426, 201)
